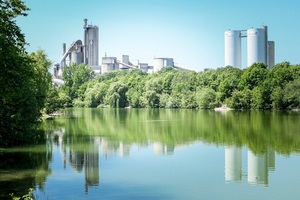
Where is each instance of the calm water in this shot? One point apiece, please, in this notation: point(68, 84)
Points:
point(159, 154)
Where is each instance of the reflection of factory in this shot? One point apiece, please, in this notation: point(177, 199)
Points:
point(92, 165)
point(84, 159)
point(259, 49)
point(163, 149)
point(110, 147)
point(259, 165)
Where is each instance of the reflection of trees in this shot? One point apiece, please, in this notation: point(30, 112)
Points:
point(258, 130)
point(23, 168)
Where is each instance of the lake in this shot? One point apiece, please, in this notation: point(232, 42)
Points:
point(159, 154)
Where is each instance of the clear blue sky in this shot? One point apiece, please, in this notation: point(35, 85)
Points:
point(190, 31)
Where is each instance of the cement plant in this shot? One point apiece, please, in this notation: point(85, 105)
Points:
point(259, 49)
point(87, 52)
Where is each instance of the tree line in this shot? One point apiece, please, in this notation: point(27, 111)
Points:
point(255, 87)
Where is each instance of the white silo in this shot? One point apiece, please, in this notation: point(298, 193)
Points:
point(91, 44)
point(76, 57)
point(233, 55)
point(159, 63)
point(256, 45)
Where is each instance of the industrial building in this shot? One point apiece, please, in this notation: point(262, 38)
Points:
point(259, 49)
point(79, 52)
point(87, 52)
point(112, 63)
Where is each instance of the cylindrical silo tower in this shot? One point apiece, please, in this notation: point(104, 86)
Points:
point(91, 44)
point(76, 57)
point(158, 64)
point(233, 56)
point(256, 46)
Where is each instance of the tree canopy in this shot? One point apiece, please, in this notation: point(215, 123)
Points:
point(24, 80)
point(255, 87)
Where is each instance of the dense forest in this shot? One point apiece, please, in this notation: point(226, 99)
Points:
point(255, 87)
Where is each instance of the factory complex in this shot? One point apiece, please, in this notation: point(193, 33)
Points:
point(87, 52)
point(259, 49)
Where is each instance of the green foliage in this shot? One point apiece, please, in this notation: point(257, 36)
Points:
point(240, 99)
point(24, 80)
point(116, 95)
point(42, 77)
point(206, 98)
point(28, 196)
point(252, 88)
point(151, 98)
point(277, 99)
point(280, 74)
point(253, 76)
point(65, 100)
point(53, 102)
point(228, 80)
point(94, 95)
point(134, 98)
point(75, 78)
point(292, 94)
point(258, 131)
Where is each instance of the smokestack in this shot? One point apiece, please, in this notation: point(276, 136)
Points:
point(64, 48)
point(266, 44)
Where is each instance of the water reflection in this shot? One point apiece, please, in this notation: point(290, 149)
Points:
point(258, 165)
point(163, 149)
point(85, 138)
point(23, 168)
point(120, 148)
point(233, 163)
point(92, 165)
point(114, 131)
point(81, 157)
